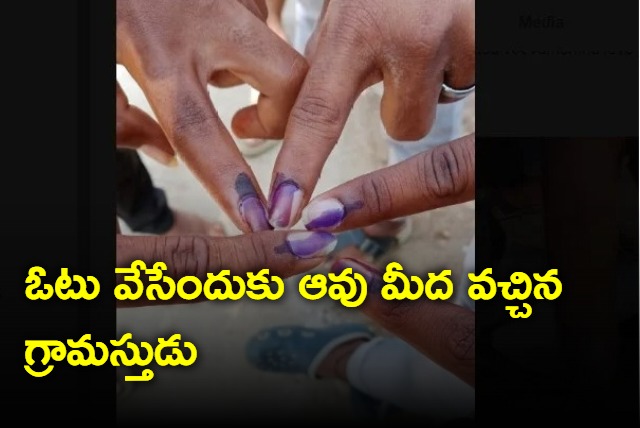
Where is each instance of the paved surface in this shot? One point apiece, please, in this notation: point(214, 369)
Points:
point(221, 374)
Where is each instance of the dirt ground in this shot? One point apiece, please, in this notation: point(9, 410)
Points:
point(221, 374)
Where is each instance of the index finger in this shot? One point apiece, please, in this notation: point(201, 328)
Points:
point(196, 132)
point(442, 176)
point(317, 119)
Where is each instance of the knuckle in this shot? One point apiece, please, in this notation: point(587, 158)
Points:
point(192, 119)
point(317, 107)
point(240, 36)
point(249, 253)
point(357, 25)
point(158, 63)
point(459, 338)
point(377, 194)
point(441, 172)
point(316, 113)
point(185, 255)
point(393, 315)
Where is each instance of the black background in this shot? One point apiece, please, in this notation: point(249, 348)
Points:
point(59, 196)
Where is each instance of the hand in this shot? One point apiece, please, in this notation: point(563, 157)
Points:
point(174, 49)
point(283, 253)
point(412, 45)
point(442, 176)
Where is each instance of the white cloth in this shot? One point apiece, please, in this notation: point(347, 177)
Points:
point(391, 370)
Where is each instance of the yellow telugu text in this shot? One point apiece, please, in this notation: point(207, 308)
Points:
point(222, 286)
point(523, 290)
point(84, 353)
point(349, 288)
point(36, 290)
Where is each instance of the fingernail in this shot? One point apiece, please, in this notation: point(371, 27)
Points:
point(254, 213)
point(286, 201)
point(249, 204)
point(308, 245)
point(159, 155)
point(324, 214)
point(370, 274)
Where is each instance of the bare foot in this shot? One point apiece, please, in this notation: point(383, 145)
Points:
point(190, 224)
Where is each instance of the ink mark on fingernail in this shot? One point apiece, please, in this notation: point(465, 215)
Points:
point(249, 204)
point(244, 186)
point(285, 201)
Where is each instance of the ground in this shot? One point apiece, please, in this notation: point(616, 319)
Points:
point(221, 375)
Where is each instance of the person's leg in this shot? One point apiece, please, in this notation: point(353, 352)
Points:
point(386, 370)
point(392, 371)
point(144, 208)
